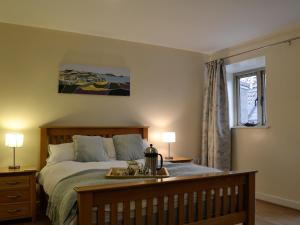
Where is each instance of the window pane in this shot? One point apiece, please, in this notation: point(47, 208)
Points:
point(248, 100)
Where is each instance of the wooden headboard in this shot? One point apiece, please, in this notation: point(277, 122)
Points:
point(58, 135)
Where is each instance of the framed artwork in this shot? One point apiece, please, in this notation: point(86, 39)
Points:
point(81, 79)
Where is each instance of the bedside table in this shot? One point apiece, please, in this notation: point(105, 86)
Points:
point(17, 193)
point(178, 159)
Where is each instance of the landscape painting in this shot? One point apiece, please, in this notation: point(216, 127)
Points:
point(81, 79)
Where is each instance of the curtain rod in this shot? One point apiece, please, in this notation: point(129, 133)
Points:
point(259, 48)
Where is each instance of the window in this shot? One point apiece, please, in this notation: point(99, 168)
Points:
point(250, 98)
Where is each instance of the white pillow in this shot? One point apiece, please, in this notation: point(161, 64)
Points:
point(145, 144)
point(60, 153)
point(109, 148)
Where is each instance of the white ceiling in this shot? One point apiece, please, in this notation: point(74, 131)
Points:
point(198, 25)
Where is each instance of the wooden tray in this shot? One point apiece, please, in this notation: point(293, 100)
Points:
point(114, 173)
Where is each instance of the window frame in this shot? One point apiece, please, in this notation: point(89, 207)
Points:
point(260, 74)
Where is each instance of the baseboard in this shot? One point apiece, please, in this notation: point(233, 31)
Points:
point(278, 200)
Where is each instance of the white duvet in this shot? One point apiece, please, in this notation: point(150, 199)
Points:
point(52, 174)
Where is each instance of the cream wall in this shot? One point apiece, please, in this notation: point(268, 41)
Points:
point(166, 88)
point(274, 152)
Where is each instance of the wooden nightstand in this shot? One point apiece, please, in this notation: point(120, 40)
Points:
point(178, 159)
point(17, 193)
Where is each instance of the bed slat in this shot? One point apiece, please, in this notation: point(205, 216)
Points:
point(138, 211)
point(181, 208)
point(208, 204)
point(101, 215)
point(233, 199)
point(218, 205)
point(113, 213)
point(52, 140)
point(225, 201)
point(199, 206)
point(241, 197)
point(149, 211)
point(160, 203)
point(126, 213)
point(171, 209)
point(191, 207)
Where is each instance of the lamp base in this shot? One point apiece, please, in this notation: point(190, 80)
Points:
point(169, 157)
point(16, 167)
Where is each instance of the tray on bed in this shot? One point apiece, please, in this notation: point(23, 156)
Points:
point(118, 173)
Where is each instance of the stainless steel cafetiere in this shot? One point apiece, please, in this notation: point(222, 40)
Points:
point(151, 160)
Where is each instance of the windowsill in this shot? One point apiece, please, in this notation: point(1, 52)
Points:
point(256, 127)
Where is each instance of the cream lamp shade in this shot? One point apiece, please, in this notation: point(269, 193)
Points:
point(169, 137)
point(14, 140)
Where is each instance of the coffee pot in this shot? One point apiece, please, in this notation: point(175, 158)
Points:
point(151, 160)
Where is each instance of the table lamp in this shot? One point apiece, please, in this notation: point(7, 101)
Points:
point(14, 140)
point(169, 137)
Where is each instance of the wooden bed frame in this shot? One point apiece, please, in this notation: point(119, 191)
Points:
point(229, 196)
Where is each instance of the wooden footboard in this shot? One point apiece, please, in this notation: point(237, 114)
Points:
point(222, 199)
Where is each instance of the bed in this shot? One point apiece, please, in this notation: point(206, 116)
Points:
point(210, 198)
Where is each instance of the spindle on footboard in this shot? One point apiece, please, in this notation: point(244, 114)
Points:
point(211, 199)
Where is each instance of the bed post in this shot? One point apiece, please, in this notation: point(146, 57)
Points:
point(145, 132)
point(44, 147)
point(250, 199)
point(85, 207)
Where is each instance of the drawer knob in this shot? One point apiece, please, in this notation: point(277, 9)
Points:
point(13, 210)
point(13, 196)
point(12, 183)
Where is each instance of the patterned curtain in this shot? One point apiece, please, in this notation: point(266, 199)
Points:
point(216, 138)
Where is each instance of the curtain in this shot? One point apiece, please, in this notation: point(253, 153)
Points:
point(216, 138)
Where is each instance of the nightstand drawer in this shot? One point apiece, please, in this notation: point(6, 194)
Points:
point(14, 196)
point(10, 211)
point(7, 183)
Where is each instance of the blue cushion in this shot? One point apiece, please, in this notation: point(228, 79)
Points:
point(129, 147)
point(89, 149)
